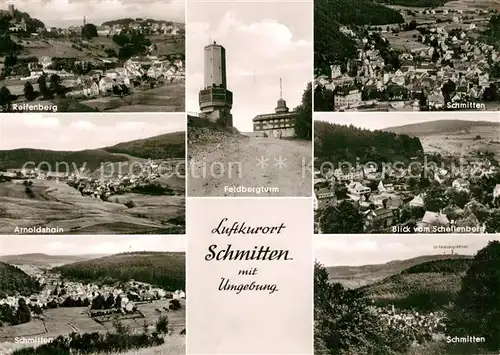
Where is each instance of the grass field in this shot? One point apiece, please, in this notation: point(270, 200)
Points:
point(405, 41)
point(166, 98)
point(63, 47)
point(463, 143)
point(57, 205)
point(64, 321)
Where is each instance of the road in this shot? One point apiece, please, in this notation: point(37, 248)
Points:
point(265, 166)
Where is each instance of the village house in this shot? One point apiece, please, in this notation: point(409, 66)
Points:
point(461, 185)
point(386, 186)
point(434, 219)
point(417, 201)
point(356, 190)
point(379, 218)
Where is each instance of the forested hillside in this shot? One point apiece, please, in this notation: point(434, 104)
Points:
point(336, 143)
point(331, 45)
point(166, 270)
point(14, 281)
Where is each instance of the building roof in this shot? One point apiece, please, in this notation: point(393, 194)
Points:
point(273, 116)
point(383, 213)
point(433, 217)
point(417, 200)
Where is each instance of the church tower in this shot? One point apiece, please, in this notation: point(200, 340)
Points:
point(84, 20)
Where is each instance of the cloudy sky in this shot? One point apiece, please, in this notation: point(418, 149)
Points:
point(83, 131)
point(263, 42)
point(336, 250)
point(96, 244)
point(65, 13)
point(366, 119)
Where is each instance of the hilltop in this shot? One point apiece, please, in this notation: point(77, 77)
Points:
point(415, 3)
point(234, 157)
point(39, 259)
point(357, 276)
point(337, 143)
point(16, 158)
point(128, 21)
point(14, 281)
point(163, 269)
point(171, 145)
point(362, 12)
point(330, 44)
point(423, 283)
point(440, 127)
point(165, 146)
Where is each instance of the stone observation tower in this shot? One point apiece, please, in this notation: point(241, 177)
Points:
point(215, 99)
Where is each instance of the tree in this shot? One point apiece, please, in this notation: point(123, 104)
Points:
point(118, 302)
point(343, 218)
point(477, 306)
point(162, 325)
point(458, 198)
point(10, 60)
point(29, 91)
point(303, 117)
point(120, 328)
point(89, 31)
point(434, 200)
point(175, 305)
point(23, 313)
point(98, 302)
point(344, 323)
point(42, 85)
point(56, 85)
point(5, 99)
point(110, 301)
point(323, 99)
point(493, 222)
point(448, 90)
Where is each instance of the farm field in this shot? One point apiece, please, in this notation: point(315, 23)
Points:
point(463, 143)
point(57, 205)
point(64, 321)
point(96, 47)
point(166, 98)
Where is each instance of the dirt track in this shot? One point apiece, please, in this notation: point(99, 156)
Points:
point(215, 168)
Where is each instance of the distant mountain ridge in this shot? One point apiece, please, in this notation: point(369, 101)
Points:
point(44, 260)
point(170, 145)
point(439, 127)
point(426, 282)
point(164, 146)
point(379, 271)
point(127, 21)
point(163, 269)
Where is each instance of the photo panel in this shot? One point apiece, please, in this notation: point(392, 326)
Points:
point(406, 55)
point(92, 174)
point(406, 173)
point(250, 276)
point(404, 294)
point(93, 294)
point(92, 56)
point(249, 98)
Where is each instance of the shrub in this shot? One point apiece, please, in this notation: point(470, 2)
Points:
point(162, 325)
point(175, 305)
point(477, 305)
